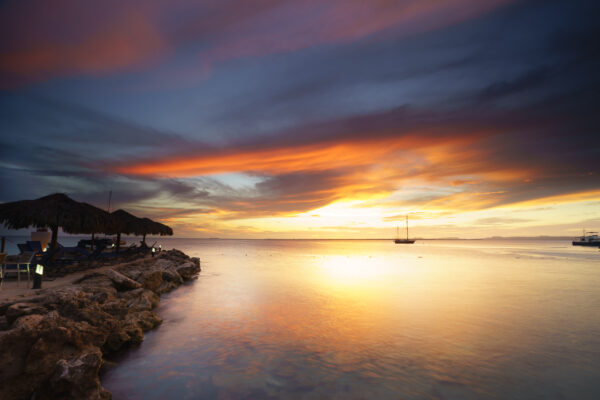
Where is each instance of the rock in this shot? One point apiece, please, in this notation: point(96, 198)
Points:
point(146, 320)
point(77, 378)
point(19, 309)
point(187, 270)
point(151, 280)
point(115, 341)
point(140, 300)
point(170, 275)
point(4, 325)
point(166, 287)
point(196, 262)
point(52, 344)
point(27, 322)
point(121, 281)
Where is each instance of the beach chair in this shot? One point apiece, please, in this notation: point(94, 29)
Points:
point(23, 248)
point(35, 246)
point(70, 255)
point(21, 263)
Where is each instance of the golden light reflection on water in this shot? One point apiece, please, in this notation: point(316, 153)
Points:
point(353, 270)
point(370, 320)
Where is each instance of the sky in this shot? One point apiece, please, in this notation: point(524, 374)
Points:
point(308, 118)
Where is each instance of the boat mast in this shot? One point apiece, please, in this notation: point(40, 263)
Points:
point(406, 226)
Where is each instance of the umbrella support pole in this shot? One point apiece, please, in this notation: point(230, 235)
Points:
point(54, 240)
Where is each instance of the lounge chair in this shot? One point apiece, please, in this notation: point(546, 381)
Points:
point(20, 263)
point(23, 248)
point(86, 243)
point(35, 246)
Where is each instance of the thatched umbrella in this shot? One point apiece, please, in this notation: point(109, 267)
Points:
point(124, 222)
point(54, 211)
point(156, 228)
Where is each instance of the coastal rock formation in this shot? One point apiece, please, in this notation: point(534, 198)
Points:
point(53, 344)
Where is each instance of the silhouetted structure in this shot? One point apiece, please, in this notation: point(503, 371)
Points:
point(54, 211)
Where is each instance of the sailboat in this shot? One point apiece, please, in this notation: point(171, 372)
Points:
point(403, 241)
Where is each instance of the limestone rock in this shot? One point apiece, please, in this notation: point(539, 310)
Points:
point(140, 299)
point(187, 270)
point(19, 309)
point(77, 377)
point(52, 344)
point(146, 320)
point(151, 280)
point(121, 281)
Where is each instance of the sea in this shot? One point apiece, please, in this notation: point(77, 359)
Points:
point(370, 319)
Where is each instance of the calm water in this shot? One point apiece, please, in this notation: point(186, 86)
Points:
point(374, 320)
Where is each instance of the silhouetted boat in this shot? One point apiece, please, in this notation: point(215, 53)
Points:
point(589, 239)
point(403, 241)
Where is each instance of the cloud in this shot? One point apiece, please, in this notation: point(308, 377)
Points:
point(42, 40)
point(529, 80)
point(365, 107)
point(485, 158)
point(69, 38)
point(500, 221)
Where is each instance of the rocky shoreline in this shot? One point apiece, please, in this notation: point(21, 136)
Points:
point(53, 344)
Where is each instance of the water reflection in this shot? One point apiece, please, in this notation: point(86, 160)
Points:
point(277, 319)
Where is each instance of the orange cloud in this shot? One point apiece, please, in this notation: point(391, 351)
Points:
point(310, 176)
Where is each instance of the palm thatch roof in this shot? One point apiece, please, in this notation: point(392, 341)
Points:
point(156, 228)
point(124, 222)
point(54, 211)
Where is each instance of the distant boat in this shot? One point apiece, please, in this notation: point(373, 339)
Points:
point(403, 241)
point(589, 239)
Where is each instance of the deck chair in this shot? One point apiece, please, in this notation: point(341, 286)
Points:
point(23, 248)
point(22, 263)
point(35, 246)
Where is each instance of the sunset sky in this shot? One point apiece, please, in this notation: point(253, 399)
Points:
point(308, 118)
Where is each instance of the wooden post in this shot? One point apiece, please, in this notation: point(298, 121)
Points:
point(54, 240)
point(92, 245)
point(118, 241)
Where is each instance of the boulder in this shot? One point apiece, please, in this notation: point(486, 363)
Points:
point(146, 320)
point(77, 378)
point(187, 270)
point(152, 279)
point(139, 300)
point(17, 310)
point(121, 281)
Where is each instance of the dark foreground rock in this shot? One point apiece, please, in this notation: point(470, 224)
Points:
point(53, 345)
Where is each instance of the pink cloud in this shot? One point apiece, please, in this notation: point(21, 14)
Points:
point(43, 40)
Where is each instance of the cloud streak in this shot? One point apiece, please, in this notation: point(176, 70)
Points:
point(40, 41)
